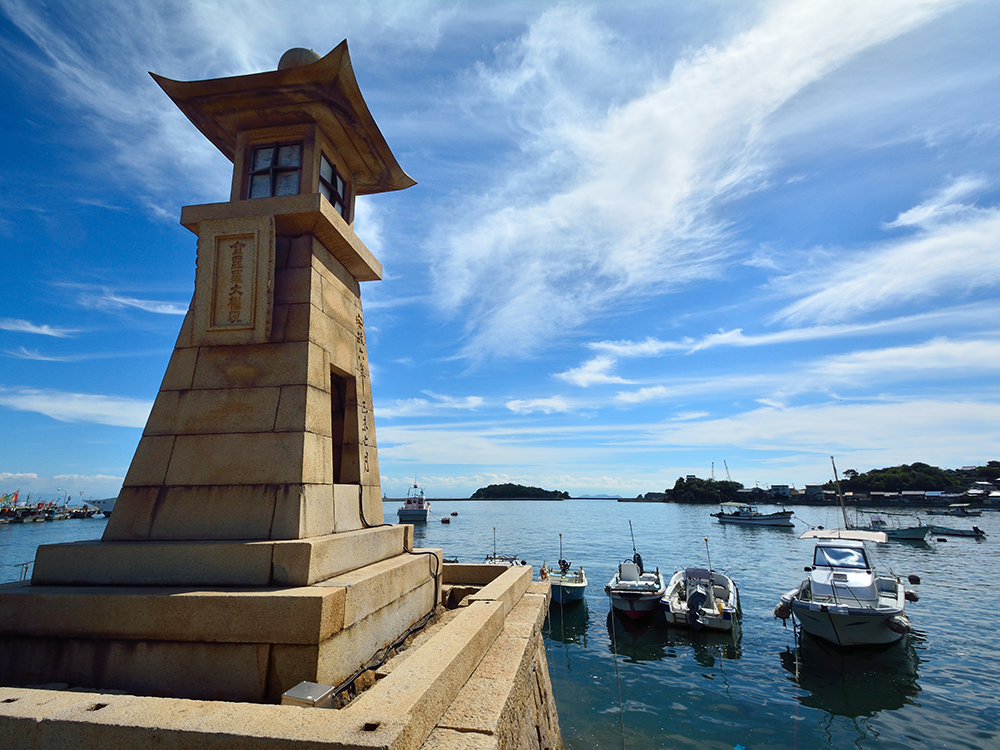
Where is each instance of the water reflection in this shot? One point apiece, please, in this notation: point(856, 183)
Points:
point(637, 640)
point(568, 625)
point(853, 683)
point(651, 640)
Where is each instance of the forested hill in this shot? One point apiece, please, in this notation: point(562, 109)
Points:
point(695, 490)
point(518, 492)
point(916, 476)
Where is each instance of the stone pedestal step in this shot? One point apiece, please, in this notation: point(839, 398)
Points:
point(297, 562)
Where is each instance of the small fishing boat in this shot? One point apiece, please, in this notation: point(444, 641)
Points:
point(633, 590)
point(975, 532)
point(962, 510)
point(875, 522)
point(701, 598)
point(567, 586)
point(415, 508)
point(843, 600)
point(502, 558)
point(748, 515)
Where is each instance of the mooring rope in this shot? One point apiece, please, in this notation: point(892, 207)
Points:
point(614, 654)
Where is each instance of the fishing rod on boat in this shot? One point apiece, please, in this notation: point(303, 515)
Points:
point(636, 557)
point(709, 555)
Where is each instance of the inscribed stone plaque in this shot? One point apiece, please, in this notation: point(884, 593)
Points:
point(234, 285)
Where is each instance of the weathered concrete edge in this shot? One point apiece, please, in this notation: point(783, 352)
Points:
point(404, 709)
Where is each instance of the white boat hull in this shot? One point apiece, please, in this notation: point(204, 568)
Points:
point(637, 595)
point(847, 626)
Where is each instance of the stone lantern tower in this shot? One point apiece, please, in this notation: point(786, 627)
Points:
point(246, 551)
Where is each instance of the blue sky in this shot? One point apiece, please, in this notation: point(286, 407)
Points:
point(646, 236)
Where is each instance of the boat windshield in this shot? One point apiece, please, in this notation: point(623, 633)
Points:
point(840, 557)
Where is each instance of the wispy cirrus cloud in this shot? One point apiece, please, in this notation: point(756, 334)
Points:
point(26, 326)
point(435, 404)
point(108, 300)
point(937, 358)
point(976, 315)
point(942, 206)
point(610, 205)
point(550, 405)
point(78, 407)
point(953, 252)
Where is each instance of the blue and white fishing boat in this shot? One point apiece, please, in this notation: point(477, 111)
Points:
point(567, 585)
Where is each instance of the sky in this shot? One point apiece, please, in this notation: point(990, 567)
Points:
point(648, 239)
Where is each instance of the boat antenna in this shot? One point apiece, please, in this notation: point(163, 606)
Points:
point(843, 508)
point(494, 541)
point(709, 555)
point(560, 547)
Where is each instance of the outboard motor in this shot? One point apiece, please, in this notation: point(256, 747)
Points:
point(637, 559)
point(563, 566)
point(696, 598)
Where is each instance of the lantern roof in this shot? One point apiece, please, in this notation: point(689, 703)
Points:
point(324, 92)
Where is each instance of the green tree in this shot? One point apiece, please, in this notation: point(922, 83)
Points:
point(705, 491)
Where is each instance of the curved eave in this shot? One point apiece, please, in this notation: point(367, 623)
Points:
point(324, 92)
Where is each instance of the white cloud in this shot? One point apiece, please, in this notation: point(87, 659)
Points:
point(544, 405)
point(26, 326)
point(422, 407)
point(592, 372)
point(936, 357)
point(649, 348)
point(961, 317)
point(943, 260)
point(79, 407)
point(6, 476)
point(111, 301)
point(652, 393)
point(34, 354)
point(941, 206)
point(609, 206)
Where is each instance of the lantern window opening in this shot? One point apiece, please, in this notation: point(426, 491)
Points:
point(333, 187)
point(275, 170)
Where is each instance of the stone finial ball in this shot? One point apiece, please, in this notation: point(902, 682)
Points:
point(297, 57)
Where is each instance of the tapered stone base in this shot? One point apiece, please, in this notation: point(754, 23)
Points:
point(217, 644)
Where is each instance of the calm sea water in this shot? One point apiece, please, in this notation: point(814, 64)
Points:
point(938, 688)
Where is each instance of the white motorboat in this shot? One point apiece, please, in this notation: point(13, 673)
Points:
point(567, 586)
point(415, 508)
point(700, 598)
point(634, 591)
point(748, 515)
point(844, 601)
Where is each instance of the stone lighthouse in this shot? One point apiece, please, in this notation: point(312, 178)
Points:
point(247, 550)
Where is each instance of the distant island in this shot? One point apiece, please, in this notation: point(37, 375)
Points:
point(906, 483)
point(517, 492)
